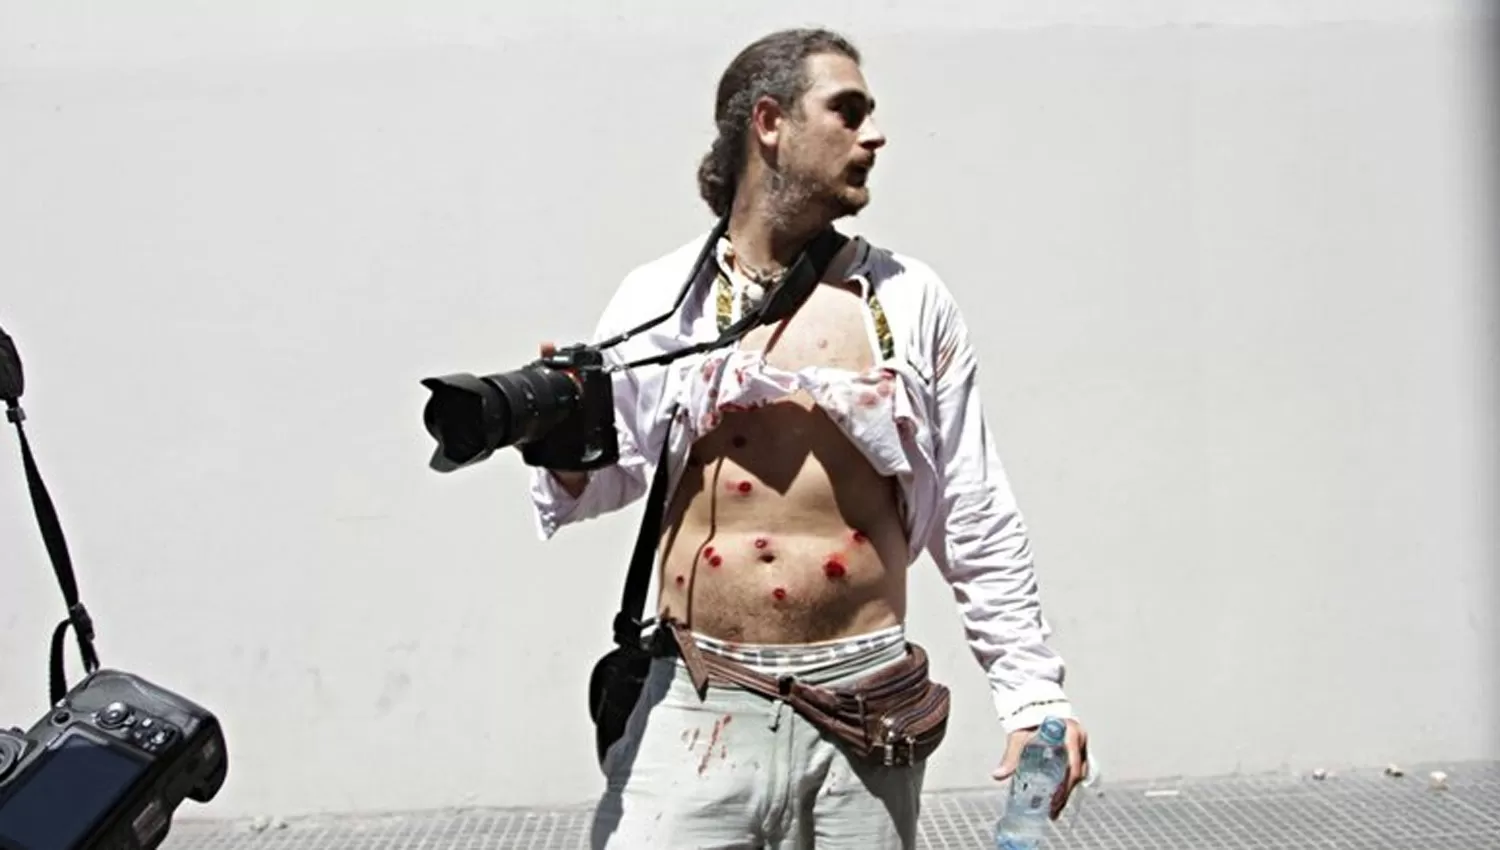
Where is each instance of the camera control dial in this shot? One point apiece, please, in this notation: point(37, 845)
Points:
point(114, 715)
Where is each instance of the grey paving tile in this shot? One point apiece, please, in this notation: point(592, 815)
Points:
point(1362, 810)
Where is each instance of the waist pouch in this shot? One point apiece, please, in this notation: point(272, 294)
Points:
point(896, 716)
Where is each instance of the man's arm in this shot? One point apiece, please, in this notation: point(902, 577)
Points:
point(562, 498)
point(981, 546)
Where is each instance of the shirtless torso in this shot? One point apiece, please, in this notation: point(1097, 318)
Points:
point(781, 531)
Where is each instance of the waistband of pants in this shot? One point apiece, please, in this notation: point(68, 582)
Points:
point(868, 654)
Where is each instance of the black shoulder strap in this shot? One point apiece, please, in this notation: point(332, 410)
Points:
point(629, 622)
point(12, 384)
point(62, 564)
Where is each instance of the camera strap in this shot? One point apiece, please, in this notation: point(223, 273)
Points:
point(629, 622)
point(11, 384)
point(785, 297)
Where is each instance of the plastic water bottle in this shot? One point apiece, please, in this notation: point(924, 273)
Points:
point(1043, 768)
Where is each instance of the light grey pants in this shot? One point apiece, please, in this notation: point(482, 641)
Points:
point(738, 770)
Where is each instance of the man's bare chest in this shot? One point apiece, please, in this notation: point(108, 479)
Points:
point(830, 329)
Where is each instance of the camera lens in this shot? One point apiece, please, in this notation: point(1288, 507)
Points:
point(470, 417)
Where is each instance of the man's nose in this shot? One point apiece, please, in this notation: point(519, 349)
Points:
point(870, 136)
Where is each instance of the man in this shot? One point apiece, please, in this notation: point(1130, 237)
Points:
point(810, 464)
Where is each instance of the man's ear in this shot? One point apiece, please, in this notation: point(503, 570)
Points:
point(766, 118)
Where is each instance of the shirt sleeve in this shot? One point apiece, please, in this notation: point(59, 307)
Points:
point(981, 546)
point(608, 489)
point(612, 487)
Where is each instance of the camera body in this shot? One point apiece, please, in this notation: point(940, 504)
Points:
point(586, 438)
point(559, 409)
point(107, 766)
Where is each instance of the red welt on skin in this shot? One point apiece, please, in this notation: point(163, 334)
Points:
point(681, 581)
point(715, 561)
point(761, 542)
point(744, 487)
point(779, 593)
point(708, 551)
point(859, 537)
point(834, 568)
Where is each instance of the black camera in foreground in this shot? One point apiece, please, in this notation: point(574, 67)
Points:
point(107, 767)
point(109, 763)
point(559, 409)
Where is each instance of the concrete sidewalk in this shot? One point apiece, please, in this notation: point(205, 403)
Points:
point(1362, 810)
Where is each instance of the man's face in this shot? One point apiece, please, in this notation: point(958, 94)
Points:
point(826, 148)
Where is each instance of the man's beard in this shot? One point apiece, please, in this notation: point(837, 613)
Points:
point(848, 200)
point(797, 200)
point(789, 197)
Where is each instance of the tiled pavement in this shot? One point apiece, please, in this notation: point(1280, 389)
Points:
point(1362, 810)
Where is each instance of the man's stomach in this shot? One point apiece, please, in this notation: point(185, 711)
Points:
point(781, 532)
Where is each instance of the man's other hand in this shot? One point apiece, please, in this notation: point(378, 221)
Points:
point(1077, 742)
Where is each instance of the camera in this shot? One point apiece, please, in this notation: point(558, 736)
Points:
point(559, 409)
point(107, 767)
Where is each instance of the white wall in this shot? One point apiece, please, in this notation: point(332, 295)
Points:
point(1234, 264)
